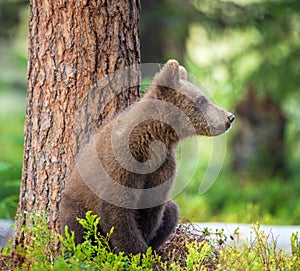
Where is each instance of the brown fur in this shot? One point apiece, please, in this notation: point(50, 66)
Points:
point(141, 218)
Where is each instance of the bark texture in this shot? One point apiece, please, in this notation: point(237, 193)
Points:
point(72, 46)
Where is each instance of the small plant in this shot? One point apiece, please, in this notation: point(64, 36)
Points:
point(93, 254)
point(259, 253)
point(295, 245)
point(188, 249)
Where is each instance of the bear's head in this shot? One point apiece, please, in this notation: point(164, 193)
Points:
point(171, 85)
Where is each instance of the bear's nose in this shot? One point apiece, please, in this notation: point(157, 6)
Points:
point(231, 117)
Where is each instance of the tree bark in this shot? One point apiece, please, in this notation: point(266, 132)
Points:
point(72, 46)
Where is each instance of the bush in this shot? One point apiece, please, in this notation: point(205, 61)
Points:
point(186, 250)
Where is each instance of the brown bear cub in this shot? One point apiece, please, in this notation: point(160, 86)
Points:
point(126, 172)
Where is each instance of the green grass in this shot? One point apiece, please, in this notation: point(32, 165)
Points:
point(11, 142)
point(95, 254)
point(232, 199)
point(12, 116)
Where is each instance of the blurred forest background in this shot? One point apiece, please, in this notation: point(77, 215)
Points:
point(246, 53)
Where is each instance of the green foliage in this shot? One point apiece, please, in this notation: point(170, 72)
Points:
point(11, 142)
point(236, 44)
point(259, 253)
point(9, 16)
point(93, 254)
point(261, 34)
point(41, 252)
point(9, 189)
point(233, 199)
point(12, 101)
point(198, 256)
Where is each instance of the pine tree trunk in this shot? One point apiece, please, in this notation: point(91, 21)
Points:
point(72, 45)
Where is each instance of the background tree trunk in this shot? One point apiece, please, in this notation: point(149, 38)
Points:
point(258, 148)
point(72, 45)
point(164, 30)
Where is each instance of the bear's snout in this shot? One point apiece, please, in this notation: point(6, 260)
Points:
point(230, 119)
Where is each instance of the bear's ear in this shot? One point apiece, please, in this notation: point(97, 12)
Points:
point(182, 73)
point(168, 77)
